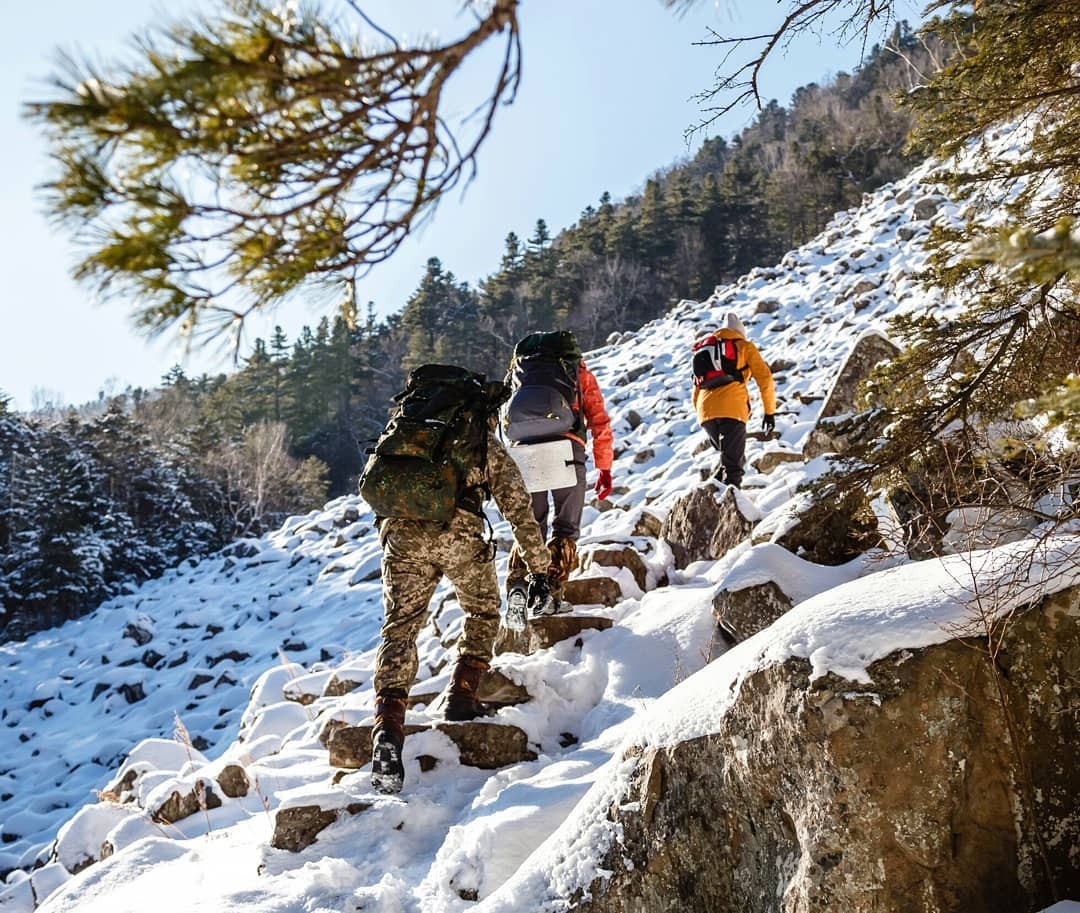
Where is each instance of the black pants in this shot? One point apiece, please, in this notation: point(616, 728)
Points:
point(728, 435)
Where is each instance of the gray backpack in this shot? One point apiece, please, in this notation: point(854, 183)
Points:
point(545, 397)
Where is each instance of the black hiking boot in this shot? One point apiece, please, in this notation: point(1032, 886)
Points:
point(516, 600)
point(387, 742)
point(387, 768)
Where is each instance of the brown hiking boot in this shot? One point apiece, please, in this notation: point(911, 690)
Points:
point(387, 741)
point(461, 701)
point(564, 560)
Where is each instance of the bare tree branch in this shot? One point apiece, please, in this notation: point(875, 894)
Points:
point(738, 83)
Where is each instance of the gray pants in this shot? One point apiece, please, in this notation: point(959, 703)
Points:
point(569, 503)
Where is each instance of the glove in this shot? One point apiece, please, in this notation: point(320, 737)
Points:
point(538, 599)
point(768, 424)
point(603, 484)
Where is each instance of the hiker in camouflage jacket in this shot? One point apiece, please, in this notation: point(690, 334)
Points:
point(416, 556)
point(417, 553)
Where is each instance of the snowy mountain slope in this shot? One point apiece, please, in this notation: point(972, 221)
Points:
point(310, 592)
point(220, 645)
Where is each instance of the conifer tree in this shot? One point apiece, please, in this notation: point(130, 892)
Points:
point(540, 268)
point(279, 354)
point(259, 381)
point(1014, 352)
point(653, 228)
point(605, 214)
point(743, 202)
point(502, 311)
point(424, 313)
point(681, 200)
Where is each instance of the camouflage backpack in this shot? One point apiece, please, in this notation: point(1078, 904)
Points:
point(437, 432)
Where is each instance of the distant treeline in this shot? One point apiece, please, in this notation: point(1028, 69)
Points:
point(115, 492)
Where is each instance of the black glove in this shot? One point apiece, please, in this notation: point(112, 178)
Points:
point(539, 594)
point(768, 424)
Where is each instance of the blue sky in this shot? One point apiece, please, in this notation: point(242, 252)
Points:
point(606, 97)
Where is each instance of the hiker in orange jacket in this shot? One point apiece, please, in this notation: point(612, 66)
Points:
point(570, 502)
point(724, 410)
point(589, 419)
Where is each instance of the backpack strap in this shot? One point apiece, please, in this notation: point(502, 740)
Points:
point(578, 405)
point(471, 498)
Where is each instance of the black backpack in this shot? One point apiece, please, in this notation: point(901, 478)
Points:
point(545, 393)
point(437, 432)
point(716, 362)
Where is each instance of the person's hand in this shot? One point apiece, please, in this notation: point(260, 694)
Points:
point(768, 424)
point(603, 484)
point(538, 594)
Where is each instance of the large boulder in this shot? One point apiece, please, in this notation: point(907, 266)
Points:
point(581, 591)
point(619, 556)
point(919, 792)
point(177, 805)
point(705, 524)
point(350, 746)
point(297, 827)
point(829, 532)
point(483, 744)
point(548, 630)
point(767, 461)
point(961, 494)
point(741, 613)
point(838, 424)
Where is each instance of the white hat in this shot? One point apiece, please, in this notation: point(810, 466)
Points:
point(732, 322)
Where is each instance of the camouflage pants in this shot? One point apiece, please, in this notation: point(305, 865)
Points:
point(416, 556)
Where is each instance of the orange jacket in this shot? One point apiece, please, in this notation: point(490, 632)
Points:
point(733, 400)
point(596, 418)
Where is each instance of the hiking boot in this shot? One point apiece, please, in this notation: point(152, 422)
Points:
point(387, 742)
point(555, 605)
point(461, 701)
point(564, 560)
point(726, 478)
point(516, 600)
point(516, 591)
point(538, 594)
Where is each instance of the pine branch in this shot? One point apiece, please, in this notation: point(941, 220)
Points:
point(242, 158)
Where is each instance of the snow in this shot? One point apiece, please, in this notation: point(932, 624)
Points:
point(237, 640)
